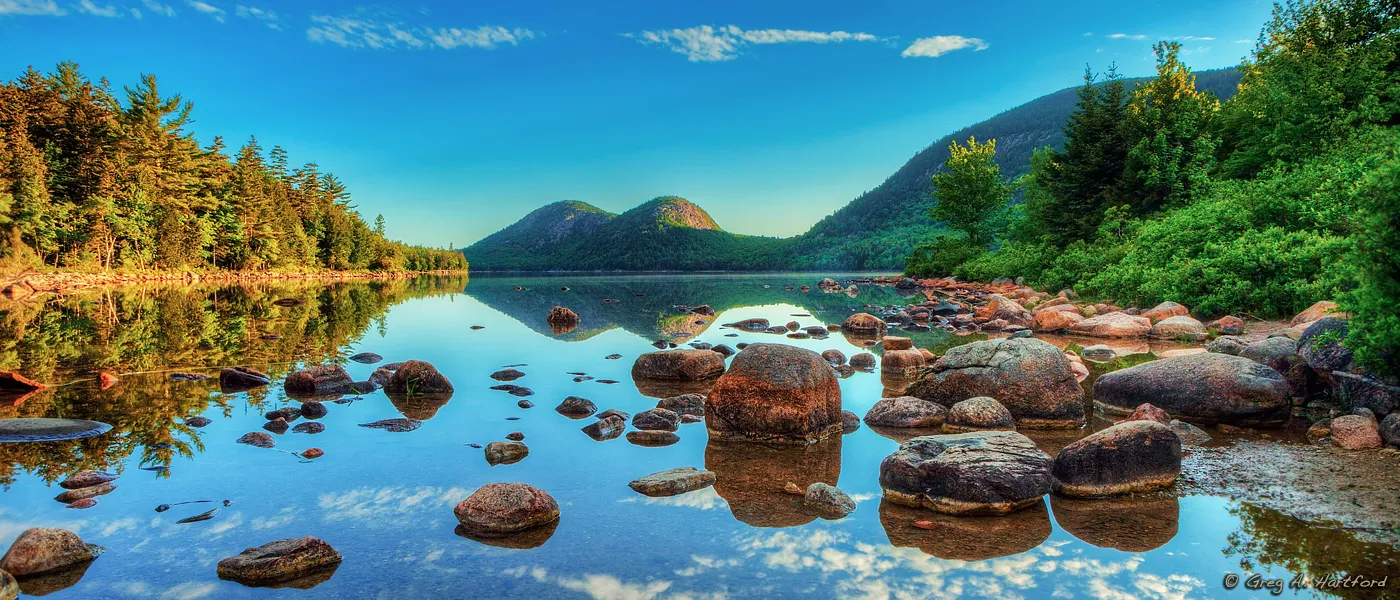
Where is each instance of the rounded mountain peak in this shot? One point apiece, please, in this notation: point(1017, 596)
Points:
point(674, 211)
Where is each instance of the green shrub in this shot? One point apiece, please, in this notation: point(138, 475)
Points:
point(1374, 335)
point(941, 257)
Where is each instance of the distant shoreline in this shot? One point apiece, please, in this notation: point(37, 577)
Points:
point(20, 286)
point(484, 273)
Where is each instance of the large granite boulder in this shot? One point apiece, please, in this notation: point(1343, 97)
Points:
point(43, 549)
point(1360, 391)
point(1165, 310)
point(683, 365)
point(1356, 432)
point(318, 380)
point(1317, 312)
point(1000, 307)
point(417, 377)
point(1132, 456)
point(1031, 378)
point(1321, 347)
point(905, 412)
point(775, 393)
point(1055, 320)
point(985, 472)
point(1201, 388)
point(1180, 327)
point(978, 414)
point(501, 509)
point(1111, 325)
point(279, 562)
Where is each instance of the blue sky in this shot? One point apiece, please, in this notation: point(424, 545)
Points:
point(454, 119)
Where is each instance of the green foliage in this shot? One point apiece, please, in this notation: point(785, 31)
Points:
point(88, 181)
point(1374, 335)
point(1174, 151)
point(941, 257)
point(969, 191)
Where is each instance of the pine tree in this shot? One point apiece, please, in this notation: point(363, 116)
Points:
point(1171, 162)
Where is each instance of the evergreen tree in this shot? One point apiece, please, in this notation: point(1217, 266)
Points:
point(1171, 162)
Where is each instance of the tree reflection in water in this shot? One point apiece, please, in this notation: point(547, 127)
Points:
point(142, 333)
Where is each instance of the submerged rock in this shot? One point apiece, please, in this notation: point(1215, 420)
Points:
point(394, 425)
point(1133, 456)
point(978, 414)
point(309, 427)
point(507, 375)
point(575, 407)
point(281, 561)
point(86, 478)
point(258, 439)
point(500, 509)
point(312, 409)
point(44, 549)
point(318, 380)
point(775, 393)
point(986, 472)
point(367, 358)
point(1204, 388)
point(1031, 378)
point(673, 482)
point(505, 453)
point(905, 412)
point(652, 438)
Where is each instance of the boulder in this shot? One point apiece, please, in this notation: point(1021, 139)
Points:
point(1360, 391)
point(652, 438)
point(1356, 432)
point(673, 482)
point(279, 562)
point(418, 377)
point(42, 549)
point(1227, 344)
point(605, 428)
point(1227, 325)
point(684, 404)
point(834, 356)
point(257, 439)
point(1189, 434)
point(897, 343)
point(775, 393)
point(682, 365)
point(1165, 310)
point(1054, 320)
point(501, 509)
point(575, 407)
point(1180, 327)
point(849, 422)
point(86, 478)
point(827, 501)
point(864, 360)
point(864, 325)
point(1390, 430)
point(978, 414)
point(1280, 353)
point(1203, 388)
point(1133, 456)
point(1320, 346)
point(312, 409)
point(901, 363)
point(560, 316)
point(1316, 312)
point(1115, 324)
point(985, 472)
point(1147, 412)
point(656, 419)
point(1001, 308)
point(905, 412)
point(317, 380)
point(1031, 378)
point(506, 453)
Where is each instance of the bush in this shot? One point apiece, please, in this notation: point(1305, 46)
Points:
point(941, 257)
point(1374, 335)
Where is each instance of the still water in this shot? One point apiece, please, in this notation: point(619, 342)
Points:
point(384, 500)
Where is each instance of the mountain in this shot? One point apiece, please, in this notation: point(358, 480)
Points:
point(665, 234)
point(874, 232)
point(880, 227)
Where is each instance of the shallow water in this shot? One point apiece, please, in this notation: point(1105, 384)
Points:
point(385, 499)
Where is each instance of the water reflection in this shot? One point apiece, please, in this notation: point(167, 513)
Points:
point(751, 477)
point(1127, 523)
point(965, 538)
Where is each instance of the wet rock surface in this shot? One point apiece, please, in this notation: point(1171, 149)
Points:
point(905, 412)
point(1032, 379)
point(506, 453)
point(775, 393)
point(318, 380)
point(1202, 388)
point(987, 472)
point(673, 482)
point(43, 549)
point(978, 414)
point(685, 365)
point(417, 377)
point(1133, 456)
point(280, 562)
point(576, 407)
point(501, 509)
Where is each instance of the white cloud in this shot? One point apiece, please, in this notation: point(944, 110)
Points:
point(360, 31)
point(48, 8)
point(90, 7)
point(267, 17)
point(158, 8)
point(1124, 36)
point(939, 45)
point(706, 43)
point(1192, 38)
point(208, 9)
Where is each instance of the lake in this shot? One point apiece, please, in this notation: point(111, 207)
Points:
point(385, 499)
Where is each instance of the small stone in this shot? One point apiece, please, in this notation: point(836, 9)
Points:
point(606, 428)
point(312, 409)
point(505, 453)
point(794, 489)
point(198, 422)
point(309, 427)
point(652, 438)
point(1147, 412)
point(258, 439)
point(525, 404)
point(312, 453)
point(515, 436)
point(367, 358)
point(576, 407)
point(394, 425)
point(507, 375)
point(978, 414)
point(827, 501)
point(279, 562)
point(86, 478)
point(656, 419)
point(849, 422)
point(278, 425)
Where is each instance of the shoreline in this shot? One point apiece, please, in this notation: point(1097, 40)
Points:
point(26, 285)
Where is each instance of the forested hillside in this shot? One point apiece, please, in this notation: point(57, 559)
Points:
point(879, 228)
point(1283, 195)
point(95, 179)
point(664, 234)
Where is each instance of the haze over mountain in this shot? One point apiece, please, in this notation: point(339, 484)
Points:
point(875, 231)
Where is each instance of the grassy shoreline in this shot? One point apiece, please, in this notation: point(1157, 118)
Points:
point(21, 285)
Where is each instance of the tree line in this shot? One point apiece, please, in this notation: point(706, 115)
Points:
point(1282, 195)
point(95, 179)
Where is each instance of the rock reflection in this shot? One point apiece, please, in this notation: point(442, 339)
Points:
point(1127, 523)
point(904, 434)
point(525, 540)
point(751, 476)
point(659, 388)
point(966, 538)
point(419, 406)
point(49, 582)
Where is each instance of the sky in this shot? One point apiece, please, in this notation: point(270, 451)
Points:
point(454, 119)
